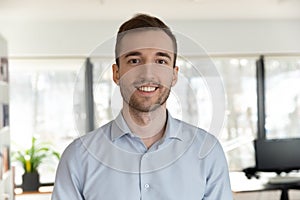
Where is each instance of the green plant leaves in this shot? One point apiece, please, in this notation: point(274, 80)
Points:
point(34, 156)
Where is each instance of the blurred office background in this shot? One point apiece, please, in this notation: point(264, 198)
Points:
point(49, 43)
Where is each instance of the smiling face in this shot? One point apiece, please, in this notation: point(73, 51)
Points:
point(146, 69)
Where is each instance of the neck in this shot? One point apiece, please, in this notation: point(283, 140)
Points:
point(149, 126)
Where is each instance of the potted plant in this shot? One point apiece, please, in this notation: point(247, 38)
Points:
point(31, 159)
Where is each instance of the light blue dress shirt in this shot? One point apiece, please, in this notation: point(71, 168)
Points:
point(111, 163)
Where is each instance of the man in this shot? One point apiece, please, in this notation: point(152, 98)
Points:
point(144, 153)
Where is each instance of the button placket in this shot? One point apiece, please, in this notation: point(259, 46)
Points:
point(146, 186)
point(144, 178)
point(144, 158)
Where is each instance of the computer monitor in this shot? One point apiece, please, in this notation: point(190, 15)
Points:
point(277, 155)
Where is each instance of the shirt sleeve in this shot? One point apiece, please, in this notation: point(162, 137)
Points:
point(218, 183)
point(67, 182)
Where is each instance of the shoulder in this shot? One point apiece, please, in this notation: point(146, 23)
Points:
point(83, 143)
point(206, 143)
point(199, 133)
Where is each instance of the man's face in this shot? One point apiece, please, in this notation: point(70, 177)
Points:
point(145, 73)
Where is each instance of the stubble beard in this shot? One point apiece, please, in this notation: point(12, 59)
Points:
point(143, 104)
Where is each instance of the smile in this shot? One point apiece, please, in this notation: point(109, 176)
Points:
point(147, 88)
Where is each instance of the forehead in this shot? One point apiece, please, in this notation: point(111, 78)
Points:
point(145, 39)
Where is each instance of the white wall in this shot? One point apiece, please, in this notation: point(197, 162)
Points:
point(81, 37)
point(245, 36)
point(3, 47)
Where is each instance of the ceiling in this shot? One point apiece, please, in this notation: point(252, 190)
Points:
point(167, 9)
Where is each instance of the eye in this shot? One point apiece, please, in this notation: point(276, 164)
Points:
point(134, 61)
point(162, 61)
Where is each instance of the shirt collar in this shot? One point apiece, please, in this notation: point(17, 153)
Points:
point(120, 128)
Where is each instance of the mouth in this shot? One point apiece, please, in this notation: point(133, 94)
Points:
point(147, 88)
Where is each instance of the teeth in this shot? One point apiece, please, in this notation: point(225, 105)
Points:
point(147, 88)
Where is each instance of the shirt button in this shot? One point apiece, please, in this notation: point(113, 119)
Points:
point(146, 186)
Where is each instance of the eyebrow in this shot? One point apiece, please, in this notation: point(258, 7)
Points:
point(133, 53)
point(136, 53)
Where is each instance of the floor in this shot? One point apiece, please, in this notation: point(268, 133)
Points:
point(274, 195)
point(270, 195)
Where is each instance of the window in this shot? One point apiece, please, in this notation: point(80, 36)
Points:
point(41, 96)
point(240, 127)
point(282, 97)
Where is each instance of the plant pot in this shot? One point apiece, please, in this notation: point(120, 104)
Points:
point(31, 181)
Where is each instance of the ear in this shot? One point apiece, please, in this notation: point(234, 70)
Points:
point(116, 74)
point(175, 75)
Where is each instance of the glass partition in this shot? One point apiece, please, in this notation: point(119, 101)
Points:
point(240, 127)
point(282, 97)
point(41, 95)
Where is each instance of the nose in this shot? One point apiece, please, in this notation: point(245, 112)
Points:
point(147, 71)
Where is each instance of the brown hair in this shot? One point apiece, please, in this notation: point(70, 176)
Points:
point(143, 21)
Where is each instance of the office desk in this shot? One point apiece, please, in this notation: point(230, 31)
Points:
point(240, 183)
